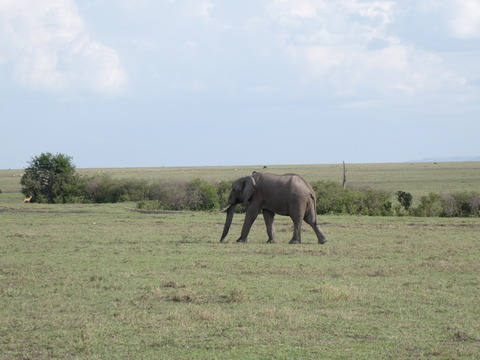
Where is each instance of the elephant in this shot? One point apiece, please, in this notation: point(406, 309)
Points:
point(288, 195)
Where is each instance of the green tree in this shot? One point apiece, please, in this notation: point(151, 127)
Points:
point(52, 179)
point(405, 199)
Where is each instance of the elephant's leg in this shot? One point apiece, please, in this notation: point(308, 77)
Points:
point(268, 216)
point(310, 220)
point(297, 230)
point(250, 217)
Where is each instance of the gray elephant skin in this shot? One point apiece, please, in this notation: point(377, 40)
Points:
point(289, 195)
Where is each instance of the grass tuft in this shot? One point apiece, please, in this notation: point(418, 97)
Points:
point(236, 296)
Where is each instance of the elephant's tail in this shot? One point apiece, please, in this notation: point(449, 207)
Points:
point(312, 208)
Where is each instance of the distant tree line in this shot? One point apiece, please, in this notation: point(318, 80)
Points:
point(52, 179)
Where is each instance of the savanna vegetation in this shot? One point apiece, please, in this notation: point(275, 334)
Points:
point(88, 281)
point(91, 280)
point(53, 179)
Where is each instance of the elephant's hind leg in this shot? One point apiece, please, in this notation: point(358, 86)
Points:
point(322, 239)
point(297, 230)
point(269, 216)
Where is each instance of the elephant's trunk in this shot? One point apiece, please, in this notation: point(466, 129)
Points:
point(230, 209)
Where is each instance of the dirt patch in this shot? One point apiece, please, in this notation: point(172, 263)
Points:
point(161, 212)
point(45, 211)
point(38, 211)
point(466, 224)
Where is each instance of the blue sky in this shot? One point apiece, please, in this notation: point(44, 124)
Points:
point(130, 83)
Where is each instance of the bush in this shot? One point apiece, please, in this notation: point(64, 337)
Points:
point(201, 195)
point(52, 179)
point(430, 205)
point(104, 189)
point(405, 199)
point(334, 199)
point(376, 203)
point(195, 195)
point(170, 195)
point(330, 197)
point(134, 189)
point(461, 204)
point(223, 191)
point(458, 204)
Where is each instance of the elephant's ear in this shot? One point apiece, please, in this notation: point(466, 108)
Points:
point(248, 188)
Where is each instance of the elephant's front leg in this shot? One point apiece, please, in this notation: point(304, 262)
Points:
point(269, 216)
point(250, 217)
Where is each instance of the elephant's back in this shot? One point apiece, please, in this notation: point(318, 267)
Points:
point(286, 185)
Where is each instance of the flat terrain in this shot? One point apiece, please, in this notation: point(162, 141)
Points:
point(416, 178)
point(109, 282)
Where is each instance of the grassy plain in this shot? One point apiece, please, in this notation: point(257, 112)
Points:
point(108, 282)
point(89, 281)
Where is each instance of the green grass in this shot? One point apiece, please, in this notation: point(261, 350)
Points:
point(107, 282)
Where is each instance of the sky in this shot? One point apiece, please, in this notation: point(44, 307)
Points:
point(147, 83)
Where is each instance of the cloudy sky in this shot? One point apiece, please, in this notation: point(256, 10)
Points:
point(120, 83)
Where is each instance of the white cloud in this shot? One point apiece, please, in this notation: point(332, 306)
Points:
point(348, 45)
point(49, 48)
point(36, 69)
point(136, 3)
point(97, 66)
point(202, 10)
point(199, 9)
point(332, 12)
point(441, 24)
point(465, 22)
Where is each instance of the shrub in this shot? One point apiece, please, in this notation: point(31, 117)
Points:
point(104, 189)
point(223, 191)
point(430, 205)
point(201, 195)
point(461, 204)
point(333, 198)
point(170, 195)
point(376, 203)
point(195, 195)
point(134, 189)
point(458, 204)
point(405, 199)
point(330, 197)
point(52, 179)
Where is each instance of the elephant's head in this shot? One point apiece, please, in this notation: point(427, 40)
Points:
point(242, 191)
